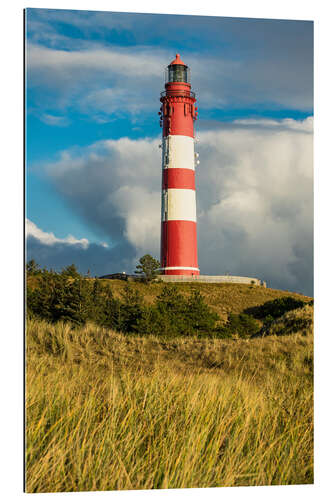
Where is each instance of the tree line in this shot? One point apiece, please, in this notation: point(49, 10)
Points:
point(69, 296)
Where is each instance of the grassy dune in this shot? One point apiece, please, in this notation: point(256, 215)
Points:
point(107, 411)
point(224, 298)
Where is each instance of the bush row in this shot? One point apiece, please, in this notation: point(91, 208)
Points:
point(68, 296)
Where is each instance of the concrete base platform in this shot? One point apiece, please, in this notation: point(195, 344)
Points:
point(211, 279)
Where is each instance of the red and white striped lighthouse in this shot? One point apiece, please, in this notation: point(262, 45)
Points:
point(178, 218)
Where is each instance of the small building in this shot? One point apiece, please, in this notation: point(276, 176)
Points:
point(115, 276)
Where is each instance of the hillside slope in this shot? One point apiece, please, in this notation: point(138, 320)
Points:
point(224, 298)
point(298, 321)
point(110, 411)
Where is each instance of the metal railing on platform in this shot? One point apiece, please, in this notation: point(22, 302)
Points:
point(178, 93)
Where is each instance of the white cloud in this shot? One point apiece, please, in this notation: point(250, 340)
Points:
point(96, 80)
point(63, 63)
point(115, 186)
point(92, 78)
point(50, 239)
point(254, 197)
point(138, 206)
point(255, 202)
point(57, 121)
point(287, 123)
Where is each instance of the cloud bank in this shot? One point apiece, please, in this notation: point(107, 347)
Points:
point(105, 79)
point(49, 239)
point(113, 63)
point(57, 253)
point(254, 200)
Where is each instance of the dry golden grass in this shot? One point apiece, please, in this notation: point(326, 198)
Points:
point(107, 411)
point(298, 320)
point(224, 298)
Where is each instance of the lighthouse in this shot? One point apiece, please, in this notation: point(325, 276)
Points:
point(179, 254)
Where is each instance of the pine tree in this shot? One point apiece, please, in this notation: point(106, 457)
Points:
point(131, 309)
point(71, 271)
point(32, 267)
point(147, 268)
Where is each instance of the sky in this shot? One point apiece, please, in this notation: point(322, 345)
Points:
point(93, 165)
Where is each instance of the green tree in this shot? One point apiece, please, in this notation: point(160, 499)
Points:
point(110, 315)
point(72, 300)
point(176, 315)
point(71, 271)
point(199, 315)
point(32, 267)
point(275, 308)
point(241, 325)
point(131, 309)
point(41, 299)
point(147, 268)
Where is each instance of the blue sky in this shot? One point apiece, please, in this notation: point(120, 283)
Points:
point(93, 83)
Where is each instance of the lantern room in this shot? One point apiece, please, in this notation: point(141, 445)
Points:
point(177, 72)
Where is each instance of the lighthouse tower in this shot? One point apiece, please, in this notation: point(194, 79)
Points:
point(178, 218)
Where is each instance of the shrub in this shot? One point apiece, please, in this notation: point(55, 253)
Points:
point(131, 310)
point(32, 267)
point(173, 315)
point(201, 317)
point(167, 317)
point(71, 271)
point(268, 320)
point(105, 309)
point(238, 325)
point(299, 321)
point(274, 308)
point(68, 297)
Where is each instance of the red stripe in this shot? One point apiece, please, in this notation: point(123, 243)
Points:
point(179, 245)
point(178, 178)
point(187, 272)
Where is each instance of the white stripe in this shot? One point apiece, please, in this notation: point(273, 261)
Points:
point(178, 204)
point(178, 152)
point(184, 268)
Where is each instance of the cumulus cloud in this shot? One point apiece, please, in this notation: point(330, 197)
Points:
point(115, 186)
point(49, 239)
point(234, 60)
point(57, 253)
point(95, 60)
point(255, 189)
point(95, 77)
point(254, 198)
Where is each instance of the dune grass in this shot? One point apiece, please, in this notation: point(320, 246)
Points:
point(223, 298)
point(106, 411)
